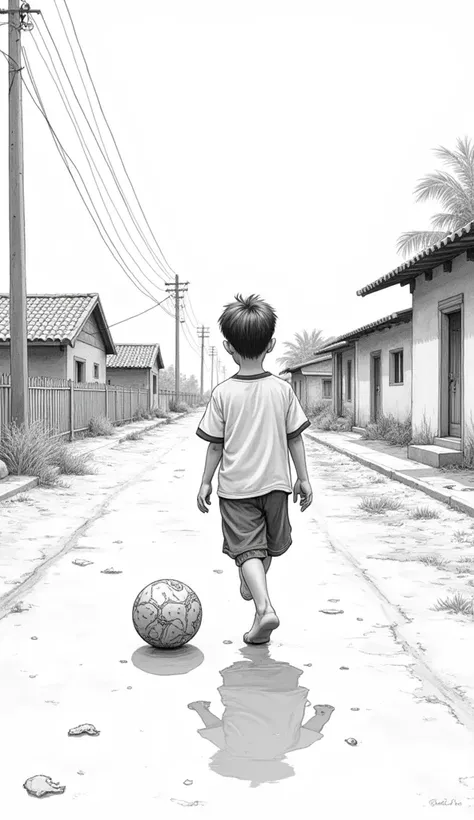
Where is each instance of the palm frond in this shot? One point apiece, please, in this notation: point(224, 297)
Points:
point(412, 242)
point(444, 188)
point(443, 223)
point(461, 161)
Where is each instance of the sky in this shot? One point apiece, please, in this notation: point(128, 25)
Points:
point(274, 147)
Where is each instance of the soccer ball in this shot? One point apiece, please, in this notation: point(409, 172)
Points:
point(167, 614)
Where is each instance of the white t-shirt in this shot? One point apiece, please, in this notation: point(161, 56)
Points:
point(253, 417)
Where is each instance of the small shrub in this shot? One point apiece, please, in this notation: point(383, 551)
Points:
point(329, 420)
point(457, 604)
point(159, 413)
point(379, 504)
point(137, 435)
point(424, 512)
point(31, 450)
point(101, 426)
point(179, 407)
point(318, 408)
point(21, 498)
point(389, 429)
point(433, 561)
point(462, 537)
point(141, 414)
point(424, 434)
point(70, 463)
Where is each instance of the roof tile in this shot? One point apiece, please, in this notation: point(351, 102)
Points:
point(50, 318)
point(134, 355)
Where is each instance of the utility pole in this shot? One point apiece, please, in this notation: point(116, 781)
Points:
point(213, 353)
point(18, 21)
point(179, 289)
point(203, 333)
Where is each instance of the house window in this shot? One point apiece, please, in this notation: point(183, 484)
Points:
point(154, 385)
point(349, 380)
point(396, 367)
point(96, 371)
point(327, 388)
point(80, 371)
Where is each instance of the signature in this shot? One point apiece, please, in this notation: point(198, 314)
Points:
point(445, 802)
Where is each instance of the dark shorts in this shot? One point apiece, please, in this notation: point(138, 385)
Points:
point(255, 527)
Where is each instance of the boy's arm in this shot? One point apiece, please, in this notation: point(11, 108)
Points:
point(302, 487)
point(213, 457)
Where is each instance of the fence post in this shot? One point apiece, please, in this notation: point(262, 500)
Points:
point(106, 401)
point(71, 409)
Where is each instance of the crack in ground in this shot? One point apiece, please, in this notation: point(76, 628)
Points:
point(461, 708)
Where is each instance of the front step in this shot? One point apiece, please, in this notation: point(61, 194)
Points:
point(448, 441)
point(433, 455)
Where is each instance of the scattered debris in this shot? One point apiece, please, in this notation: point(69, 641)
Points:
point(80, 771)
point(355, 709)
point(19, 607)
point(34, 638)
point(111, 571)
point(129, 687)
point(307, 664)
point(84, 729)
point(188, 782)
point(42, 786)
point(345, 668)
point(218, 571)
point(123, 661)
point(334, 600)
point(32, 676)
point(351, 741)
point(54, 702)
point(360, 619)
point(82, 562)
point(187, 802)
point(227, 642)
point(332, 611)
point(118, 542)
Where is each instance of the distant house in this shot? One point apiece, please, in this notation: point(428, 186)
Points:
point(136, 365)
point(372, 369)
point(312, 380)
point(68, 337)
point(441, 281)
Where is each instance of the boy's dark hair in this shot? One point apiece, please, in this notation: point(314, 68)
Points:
point(248, 325)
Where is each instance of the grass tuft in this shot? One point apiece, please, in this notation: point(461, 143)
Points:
point(101, 426)
point(137, 435)
point(179, 407)
point(433, 561)
point(31, 450)
point(379, 504)
point(389, 429)
point(159, 413)
point(70, 463)
point(456, 604)
point(424, 512)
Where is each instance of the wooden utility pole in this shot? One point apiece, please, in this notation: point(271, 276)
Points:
point(17, 21)
point(178, 290)
point(213, 352)
point(203, 333)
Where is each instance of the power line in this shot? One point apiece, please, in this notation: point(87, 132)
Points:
point(135, 315)
point(67, 159)
point(93, 165)
point(113, 139)
point(104, 155)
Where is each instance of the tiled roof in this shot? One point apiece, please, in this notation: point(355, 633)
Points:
point(402, 316)
point(55, 317)
point(296, 367)
point(426, 260)
point(135, 355)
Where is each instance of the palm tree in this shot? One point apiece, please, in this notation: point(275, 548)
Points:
point(302, 349)
point(455, 193)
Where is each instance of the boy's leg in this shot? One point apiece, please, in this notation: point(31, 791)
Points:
point(266, 619)
point(244, 590)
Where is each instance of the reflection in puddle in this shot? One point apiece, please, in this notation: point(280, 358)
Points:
point(167, 661)
point(263, 717)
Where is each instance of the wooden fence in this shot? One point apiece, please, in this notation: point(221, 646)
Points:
point(67, 407)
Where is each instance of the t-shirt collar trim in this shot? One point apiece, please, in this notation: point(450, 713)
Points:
point(254, 376)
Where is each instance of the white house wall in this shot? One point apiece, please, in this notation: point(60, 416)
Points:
point(396, 398)
point(46, 361)
point(426, 341)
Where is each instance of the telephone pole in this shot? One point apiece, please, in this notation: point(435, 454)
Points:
point(178, 289)
point(213, 353)
point(18, 21)
point(203, 333)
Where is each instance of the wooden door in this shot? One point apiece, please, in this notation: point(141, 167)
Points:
point(339, 384)
point(454, 374)
point(376, 388)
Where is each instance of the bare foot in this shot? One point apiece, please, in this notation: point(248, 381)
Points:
point(262, 627)
point(244, 590)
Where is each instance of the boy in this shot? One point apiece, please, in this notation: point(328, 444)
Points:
point(252, 422)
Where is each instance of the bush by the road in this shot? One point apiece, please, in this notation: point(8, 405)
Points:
point(33, 451)
point(101, 426)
